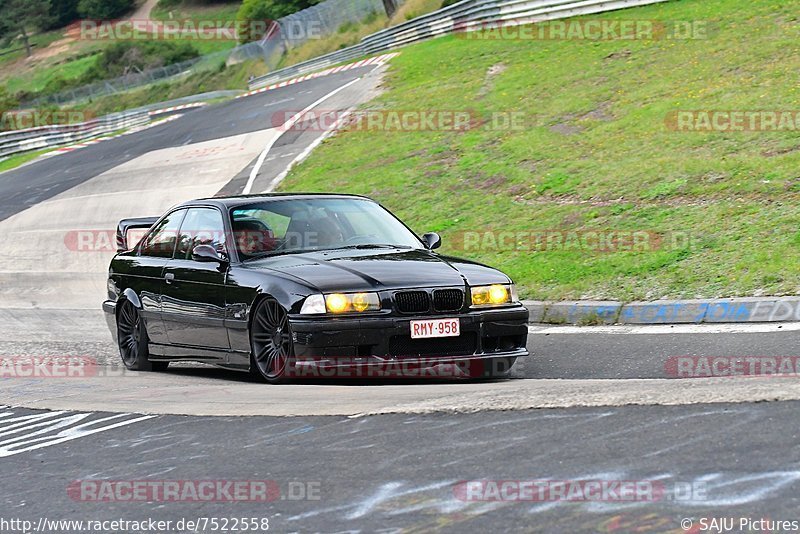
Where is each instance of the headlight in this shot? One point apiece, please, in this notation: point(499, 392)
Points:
point(494, 295)
point(313, 304)
point(338, 303)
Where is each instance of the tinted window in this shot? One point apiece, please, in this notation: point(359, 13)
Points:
point(280, 226)
point(202, 226)
point(160, 242)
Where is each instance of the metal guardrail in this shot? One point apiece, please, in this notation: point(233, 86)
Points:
point(20, 141)
point(462, 16)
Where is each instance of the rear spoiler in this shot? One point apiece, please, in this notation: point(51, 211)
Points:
point(129, 224)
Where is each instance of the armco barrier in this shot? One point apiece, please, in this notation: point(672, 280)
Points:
point(461, 16)
point(20, 141)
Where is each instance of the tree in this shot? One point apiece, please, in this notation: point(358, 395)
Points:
point(104, 9)
point(267, 10)
point(63, 12)
point(21, 16)
point(390, 6)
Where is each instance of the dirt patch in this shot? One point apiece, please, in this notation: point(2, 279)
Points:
point(621, 54)
point(56, 48)
point(566, 129)
point(478, 180)
point(713, 177)
point(780, 151)
point(567, 124)
point(601, 113)
point(530, 165)
point(518, 191)
point(673, 201)
point(488, 81)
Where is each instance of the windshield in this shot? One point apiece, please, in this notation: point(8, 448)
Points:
point(304, 225)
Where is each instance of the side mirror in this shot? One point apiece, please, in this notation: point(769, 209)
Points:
point(432, 240)
point(206, 254)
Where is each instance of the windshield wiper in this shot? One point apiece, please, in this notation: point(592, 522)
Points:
point(362, 246)
point(365, 246)
point(272, 253)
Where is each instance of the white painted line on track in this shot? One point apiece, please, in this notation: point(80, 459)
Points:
point(288, 124)
point(305, 153)
point(36, 431)
point(705, 328)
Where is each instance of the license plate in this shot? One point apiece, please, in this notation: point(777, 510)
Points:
point(435, 328)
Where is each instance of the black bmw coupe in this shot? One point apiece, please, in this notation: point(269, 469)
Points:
point(293, 285)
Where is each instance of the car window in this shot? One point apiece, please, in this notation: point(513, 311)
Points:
point(160, 242)
point(315, 224)
point(201, 226)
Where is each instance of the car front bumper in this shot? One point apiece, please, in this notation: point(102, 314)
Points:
point(375, 343)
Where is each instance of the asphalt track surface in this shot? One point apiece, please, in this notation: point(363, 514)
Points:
point(398, 473)
point(590, 404)
point(29, 185)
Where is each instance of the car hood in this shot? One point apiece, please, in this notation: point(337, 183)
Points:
point(366, 270)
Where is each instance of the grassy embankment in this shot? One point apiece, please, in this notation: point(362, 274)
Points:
point(596, 154)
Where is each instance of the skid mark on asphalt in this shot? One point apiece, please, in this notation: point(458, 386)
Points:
point(24, 433)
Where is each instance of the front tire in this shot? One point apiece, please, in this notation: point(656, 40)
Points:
point(271, 349)
point(133, 341)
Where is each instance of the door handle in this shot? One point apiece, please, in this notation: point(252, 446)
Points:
point(169, 277)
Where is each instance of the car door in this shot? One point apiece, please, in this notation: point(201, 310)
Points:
point(193, 298)
point(146, 274)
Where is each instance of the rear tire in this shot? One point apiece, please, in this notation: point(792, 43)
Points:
point(271, 349)
point(133, 341)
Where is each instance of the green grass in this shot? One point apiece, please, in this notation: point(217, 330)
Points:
point(17, 74)
point(15, 50)
point(13, 162)
point(200, 12)
point(595, 154)
point(38, 79)
point(350, 34)
point(232, 77)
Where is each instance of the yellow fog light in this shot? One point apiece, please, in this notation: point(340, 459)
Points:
point(498, 294)
point(337, 303)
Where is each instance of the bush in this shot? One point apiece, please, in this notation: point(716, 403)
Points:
point(124, 58)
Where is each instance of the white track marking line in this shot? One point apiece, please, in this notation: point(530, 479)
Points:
point(705, 328)
point(288, 124)
point(305, 153)
point(52, 428)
